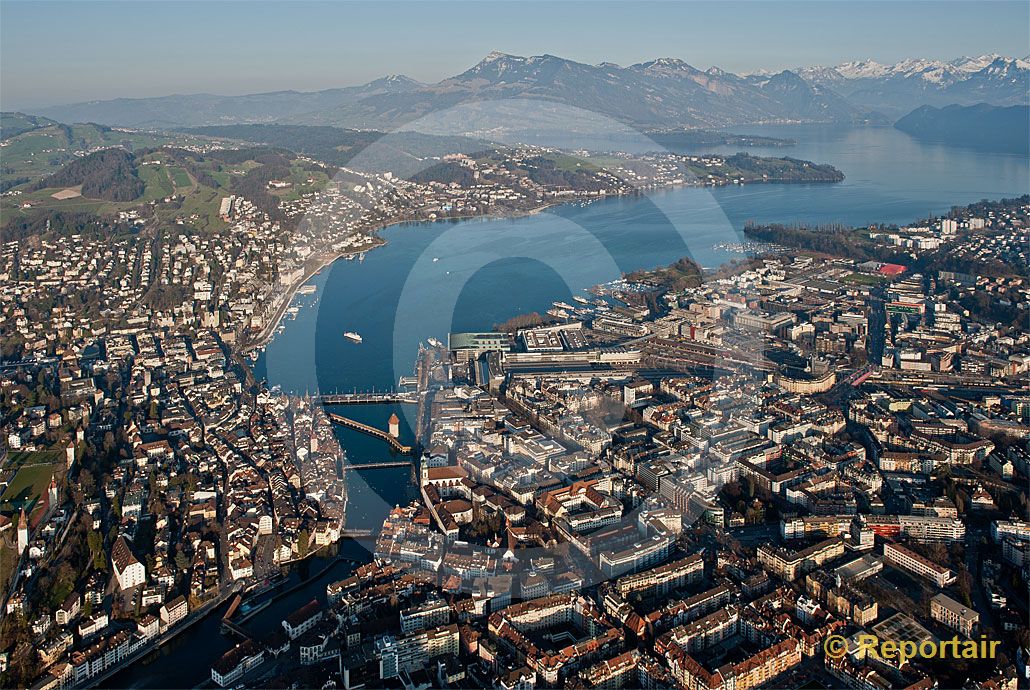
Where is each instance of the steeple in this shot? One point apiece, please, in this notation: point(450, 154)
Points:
point(23, 532)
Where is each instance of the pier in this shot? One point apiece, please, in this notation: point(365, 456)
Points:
point(371, 431)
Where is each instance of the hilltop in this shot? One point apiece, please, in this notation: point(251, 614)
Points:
point(981, 126)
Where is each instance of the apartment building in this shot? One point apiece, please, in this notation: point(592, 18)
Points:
point(411, 652)
point(953, 614)
point(906, 559)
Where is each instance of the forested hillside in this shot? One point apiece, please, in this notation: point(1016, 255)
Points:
point(110, 174)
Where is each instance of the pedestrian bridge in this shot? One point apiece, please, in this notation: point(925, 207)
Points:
point(377, 465)
point(371, 431)
point(369, 398)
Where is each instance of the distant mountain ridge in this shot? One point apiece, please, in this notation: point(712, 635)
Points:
point(13, 123)
point(665, 92)
point(897, 89)
point(982, 126)
point(208, 109)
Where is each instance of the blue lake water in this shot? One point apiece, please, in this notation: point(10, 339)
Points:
point(435, 277)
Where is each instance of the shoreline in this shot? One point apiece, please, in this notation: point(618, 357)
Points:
point(268, 332)
point(266, 335)
point(207, 609)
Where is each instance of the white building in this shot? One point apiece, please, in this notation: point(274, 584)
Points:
point(127, 569)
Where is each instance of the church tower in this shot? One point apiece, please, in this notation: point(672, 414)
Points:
point(23, 533)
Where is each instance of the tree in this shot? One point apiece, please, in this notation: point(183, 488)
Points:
point(61, 583)
point(108, 442)
point(965, 587)
point(86, 482)
point(110, 174)
point(96, 549)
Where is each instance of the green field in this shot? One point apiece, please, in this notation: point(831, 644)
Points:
point(34, 471)
point(300, 185)
point(862, 279)
point(199, 208)
point(43, 200)
point(161, 179)
point(44, 150)
point(569, 163)
point(191, 204)
point(180, 178)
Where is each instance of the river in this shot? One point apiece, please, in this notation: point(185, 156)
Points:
point(487, 270)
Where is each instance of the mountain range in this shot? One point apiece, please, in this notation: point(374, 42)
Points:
point(661, 93)
point(899, 88)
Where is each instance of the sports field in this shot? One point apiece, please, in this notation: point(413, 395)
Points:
point(34, 470)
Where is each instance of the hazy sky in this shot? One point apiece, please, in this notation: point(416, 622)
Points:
point(53, 52)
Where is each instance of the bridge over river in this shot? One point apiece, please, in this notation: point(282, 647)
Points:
point(371, 431)
point(368, 398)
point(377, 465)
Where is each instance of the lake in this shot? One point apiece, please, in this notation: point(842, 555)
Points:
point(432, 278)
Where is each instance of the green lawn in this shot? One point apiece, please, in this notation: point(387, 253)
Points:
point(181, 179)
point(223, 178)
point(158, 186)
point(204, 202)
point(35, 470)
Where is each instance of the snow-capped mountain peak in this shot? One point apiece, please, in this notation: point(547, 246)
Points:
point(863, 69)
point(974, 64)
point(495, 55)
point(899, 87)
point(932, 71)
